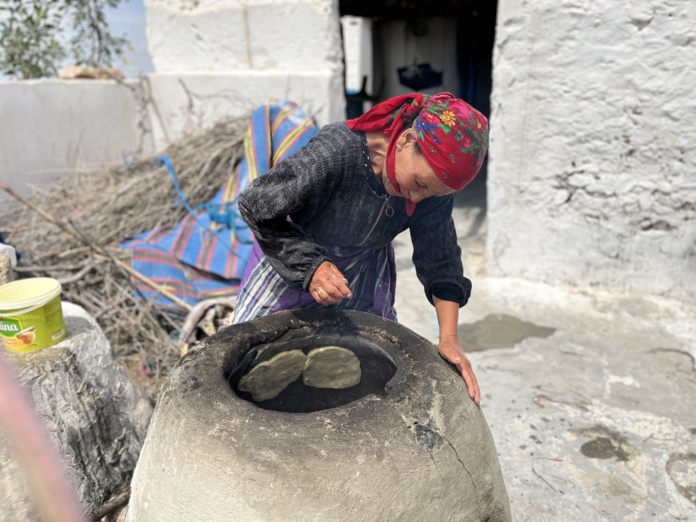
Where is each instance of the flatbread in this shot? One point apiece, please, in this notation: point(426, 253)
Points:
point(267, 379)
point(331, 367)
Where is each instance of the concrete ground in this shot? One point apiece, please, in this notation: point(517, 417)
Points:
point(591, 396)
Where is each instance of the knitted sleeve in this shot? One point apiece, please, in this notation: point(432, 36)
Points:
point(436, 254)
point(299, 185)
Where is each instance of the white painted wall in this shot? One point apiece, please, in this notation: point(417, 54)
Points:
point(232, 55)
point(214, 59)
point(184, 103)
point(227, 35)
point(592, 172)
point(49, 127)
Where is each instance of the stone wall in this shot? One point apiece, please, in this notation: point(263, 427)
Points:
point(213, 59)
point(592, 167)
point(216, 58)
point(50, 127)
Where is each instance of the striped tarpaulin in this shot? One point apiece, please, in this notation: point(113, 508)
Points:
point(205, 254)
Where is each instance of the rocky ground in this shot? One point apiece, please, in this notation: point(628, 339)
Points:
point(591, 396)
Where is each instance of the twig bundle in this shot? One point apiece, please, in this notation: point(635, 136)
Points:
point(104, 207)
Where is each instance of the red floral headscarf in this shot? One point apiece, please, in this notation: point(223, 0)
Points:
point(452, 135)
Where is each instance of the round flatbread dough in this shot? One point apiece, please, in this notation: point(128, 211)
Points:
point(331, 367)
point(267, 379)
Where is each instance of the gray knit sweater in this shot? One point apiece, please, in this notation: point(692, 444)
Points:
point(331, 193)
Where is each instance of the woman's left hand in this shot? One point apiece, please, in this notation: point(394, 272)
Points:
point(450, 349)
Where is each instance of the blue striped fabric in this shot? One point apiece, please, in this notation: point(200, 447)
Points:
point(206, 255)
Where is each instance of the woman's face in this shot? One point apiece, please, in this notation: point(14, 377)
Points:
point(416, 179)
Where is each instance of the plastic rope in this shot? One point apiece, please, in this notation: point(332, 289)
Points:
point(128, 162)
point(167, 163)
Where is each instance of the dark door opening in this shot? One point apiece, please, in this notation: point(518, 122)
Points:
point(453, 38)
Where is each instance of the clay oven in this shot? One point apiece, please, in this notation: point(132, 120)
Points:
point(405, 443)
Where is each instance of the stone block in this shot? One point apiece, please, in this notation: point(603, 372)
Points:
point(91, 412)
point(297, 36)
point(52, 127)
point(191, 102)
point(221, 37)
point(207, 38)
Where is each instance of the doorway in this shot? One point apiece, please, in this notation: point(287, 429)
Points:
point(399, 47)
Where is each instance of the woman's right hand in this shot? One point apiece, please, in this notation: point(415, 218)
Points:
point(328, 286)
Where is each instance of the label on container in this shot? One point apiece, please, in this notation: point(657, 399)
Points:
point(33, 330)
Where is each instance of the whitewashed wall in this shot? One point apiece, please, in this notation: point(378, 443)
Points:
point(592, 172)
point(214, 59)
point(49, 127)
point(217, 58)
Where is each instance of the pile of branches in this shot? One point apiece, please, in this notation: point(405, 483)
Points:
point(71, 230)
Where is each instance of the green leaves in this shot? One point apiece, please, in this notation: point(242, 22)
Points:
point(92, 43)
point(36, 36)
point(29, 45)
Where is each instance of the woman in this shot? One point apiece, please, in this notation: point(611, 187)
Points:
point(324, 218)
